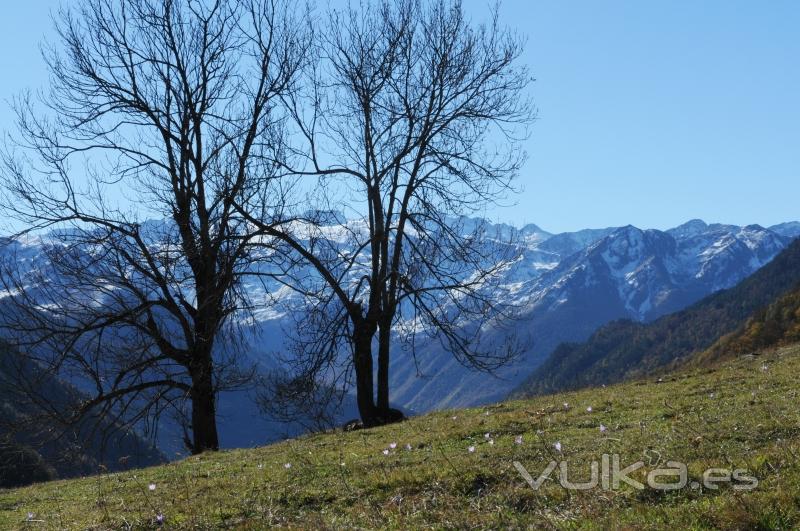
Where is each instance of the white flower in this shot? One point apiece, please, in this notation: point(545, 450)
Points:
point(566, 405)
point(386, 452)
point(518, 439)
point(471, 449)
point(589, 409)
point(455, 417)
point(260, 466)
point(342, 464)
point(557, 446)
point(152, 486)
point(765, 367)
point(602, 428)
point(31, 516)
point(393, 445)
point(287, 466)
point(491, 442)
point(487, 436)
point(408, 447)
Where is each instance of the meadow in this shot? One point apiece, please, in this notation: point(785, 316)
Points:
point(455, 469)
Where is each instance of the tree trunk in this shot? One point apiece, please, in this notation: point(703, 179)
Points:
point(384, 335)
point(204, 418)
point(362, 362)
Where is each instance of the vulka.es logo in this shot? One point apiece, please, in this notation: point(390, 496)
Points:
point(609, 475)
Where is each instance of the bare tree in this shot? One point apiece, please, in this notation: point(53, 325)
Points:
point(410, 119)
point(158, 109)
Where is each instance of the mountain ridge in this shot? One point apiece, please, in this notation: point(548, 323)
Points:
point(625, 349)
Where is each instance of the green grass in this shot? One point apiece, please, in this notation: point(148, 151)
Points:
point(737, 415)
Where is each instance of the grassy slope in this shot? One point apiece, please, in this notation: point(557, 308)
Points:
point(738, 415)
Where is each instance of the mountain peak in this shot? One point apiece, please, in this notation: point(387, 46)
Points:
point(690, 228)
point(628, 231)
point(532, 228)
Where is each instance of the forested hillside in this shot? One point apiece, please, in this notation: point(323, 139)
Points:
point(35, 447)
point(774, 326)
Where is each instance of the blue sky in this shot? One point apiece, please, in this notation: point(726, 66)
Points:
point(650, 112)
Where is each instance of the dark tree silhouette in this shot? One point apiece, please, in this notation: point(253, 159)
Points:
point(162, 109)
point(410, 119)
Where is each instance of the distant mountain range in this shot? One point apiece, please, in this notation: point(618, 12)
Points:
point(566, 286)
point(571, 284)
point(760, 311)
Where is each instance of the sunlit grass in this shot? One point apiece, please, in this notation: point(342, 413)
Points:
point(743, 414)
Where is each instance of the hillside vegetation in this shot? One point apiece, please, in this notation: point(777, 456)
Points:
point(35, 447)
point(626, 349)
point(740, 415)
point(776, 325)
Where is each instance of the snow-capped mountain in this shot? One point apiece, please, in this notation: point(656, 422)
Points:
point(566, 285)
point(614, 273)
